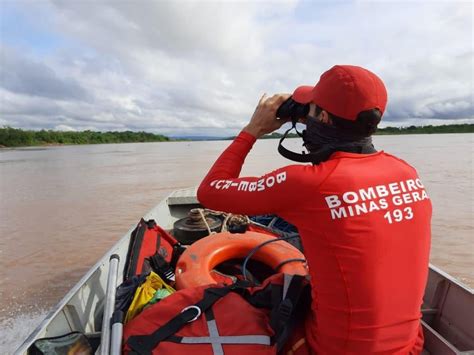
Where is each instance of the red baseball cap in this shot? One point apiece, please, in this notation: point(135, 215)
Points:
point(345, 91)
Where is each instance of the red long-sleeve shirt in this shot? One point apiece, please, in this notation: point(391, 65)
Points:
point(364, 221)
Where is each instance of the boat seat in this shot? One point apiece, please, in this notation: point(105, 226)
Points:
point(183, 197)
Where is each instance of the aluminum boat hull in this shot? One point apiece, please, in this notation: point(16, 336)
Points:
point(448, 310)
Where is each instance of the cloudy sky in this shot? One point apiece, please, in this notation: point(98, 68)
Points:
point(199, 67)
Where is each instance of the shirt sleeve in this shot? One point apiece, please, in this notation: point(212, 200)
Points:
point(275, 192)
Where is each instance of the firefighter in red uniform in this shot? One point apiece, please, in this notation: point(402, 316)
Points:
point(363, 215)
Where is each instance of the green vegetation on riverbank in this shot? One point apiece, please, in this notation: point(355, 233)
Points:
point(454, 128)
point(13, 137)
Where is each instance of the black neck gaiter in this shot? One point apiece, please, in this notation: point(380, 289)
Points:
point(322, 140)
point(318, 135)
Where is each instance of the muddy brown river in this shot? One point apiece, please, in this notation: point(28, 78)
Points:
point(62, 207)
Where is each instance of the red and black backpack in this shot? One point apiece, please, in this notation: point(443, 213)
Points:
point(217, 319)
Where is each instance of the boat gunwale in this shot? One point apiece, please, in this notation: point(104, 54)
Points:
point(56, 309)
point(452, 279)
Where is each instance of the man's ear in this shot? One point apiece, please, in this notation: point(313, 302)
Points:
point(324, 117)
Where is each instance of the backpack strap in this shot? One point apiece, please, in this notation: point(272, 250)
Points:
point(159, 264)
point(144, 344)
point(282, 300)
point(282, 314)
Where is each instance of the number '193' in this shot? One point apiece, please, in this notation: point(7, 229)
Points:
point(398, 215)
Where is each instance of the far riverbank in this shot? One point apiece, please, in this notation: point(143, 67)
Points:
point(453, 128)
point(16, 137)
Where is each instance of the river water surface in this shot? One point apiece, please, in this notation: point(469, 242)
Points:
point(62, 208)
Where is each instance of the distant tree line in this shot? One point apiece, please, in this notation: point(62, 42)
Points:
point(14, 137)
point(453, 128)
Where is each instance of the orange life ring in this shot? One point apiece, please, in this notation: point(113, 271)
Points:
point(194, 267)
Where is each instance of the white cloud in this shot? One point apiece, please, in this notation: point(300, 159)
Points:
point(64, 128)
point(188, 66)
